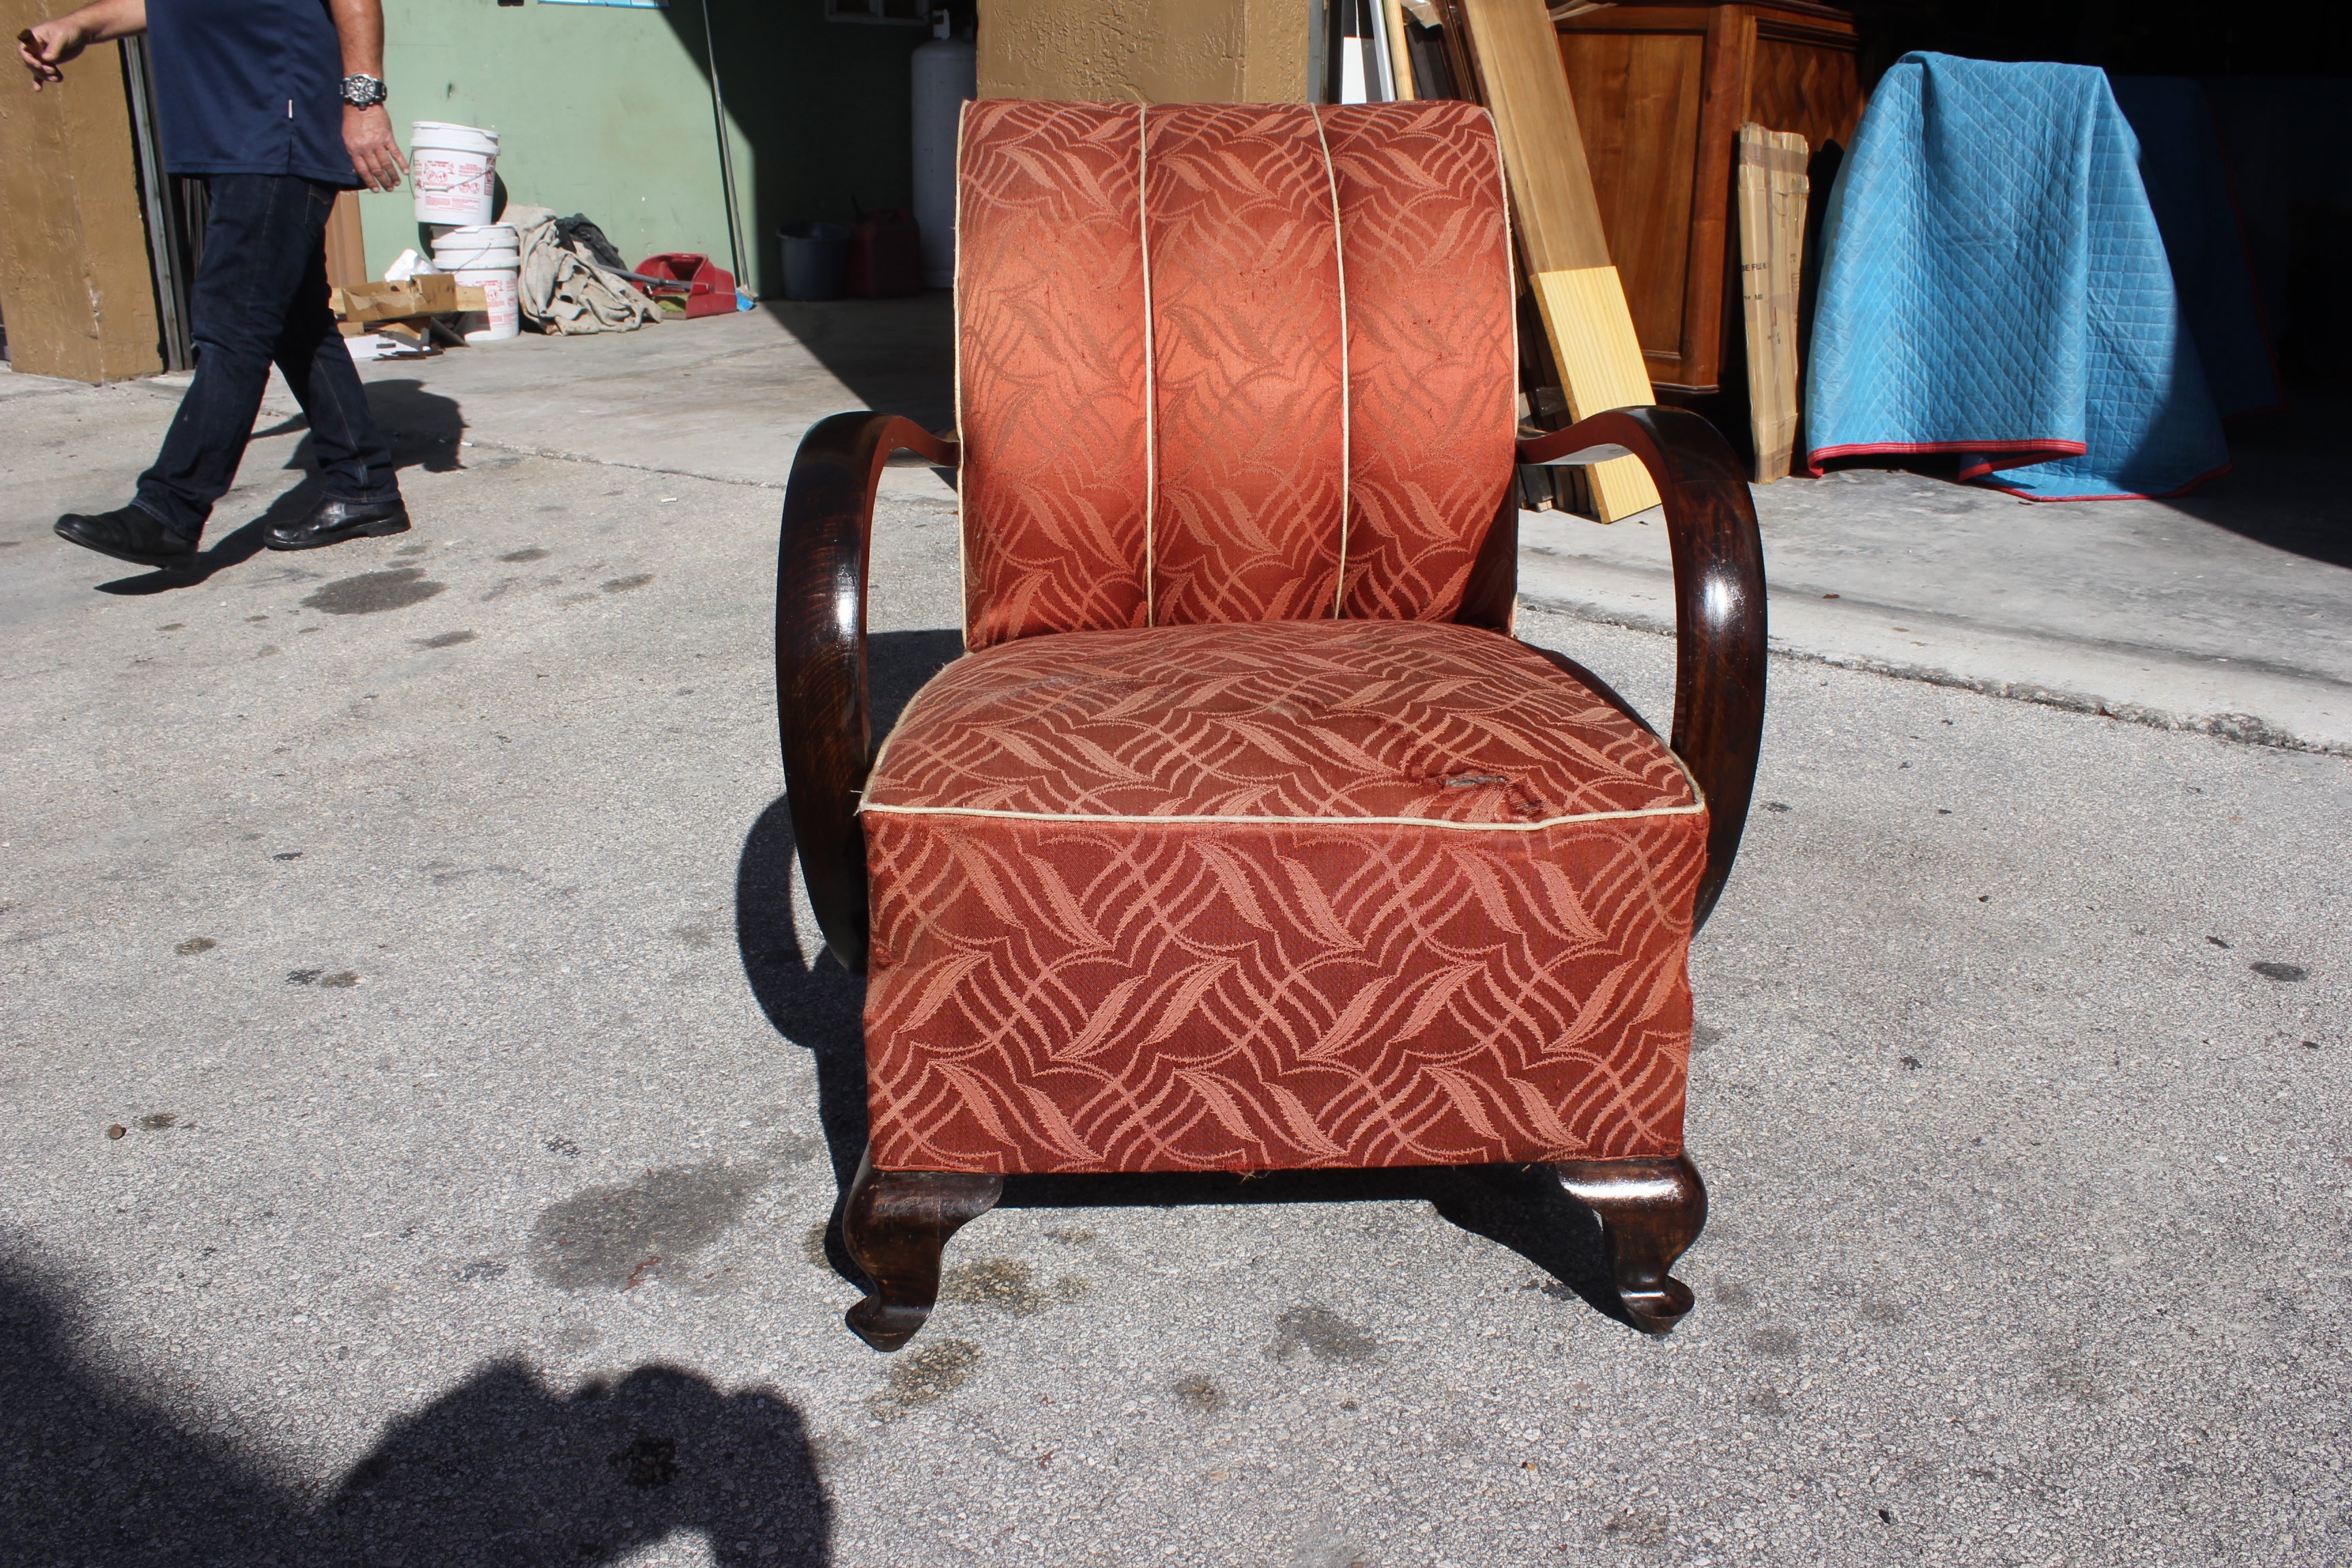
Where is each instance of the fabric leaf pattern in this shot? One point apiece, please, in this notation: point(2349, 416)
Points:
point(1297, 893)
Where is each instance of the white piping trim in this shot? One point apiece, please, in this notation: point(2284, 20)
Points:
point(1347, 414)
point(1698, 803)
point(1693, 810)
point(1150, 382)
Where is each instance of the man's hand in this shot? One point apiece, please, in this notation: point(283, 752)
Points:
point(375, 156)
point(47, 45)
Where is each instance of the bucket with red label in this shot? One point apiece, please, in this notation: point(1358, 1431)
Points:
point(451, 169)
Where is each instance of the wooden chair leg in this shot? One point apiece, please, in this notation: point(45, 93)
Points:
point(896, 1225)
point(1650, 1212)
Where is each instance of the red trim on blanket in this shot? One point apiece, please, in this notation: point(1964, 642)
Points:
point(2002, 455)
point(2120, 495)
point(1996, 454)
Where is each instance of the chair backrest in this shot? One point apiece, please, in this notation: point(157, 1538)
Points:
point(1228, 362)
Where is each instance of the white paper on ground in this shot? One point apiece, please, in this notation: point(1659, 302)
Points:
point(376, 345)
point(408, 264)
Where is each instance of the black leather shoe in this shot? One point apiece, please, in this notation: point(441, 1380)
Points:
point(336, 520)
point(131, 534)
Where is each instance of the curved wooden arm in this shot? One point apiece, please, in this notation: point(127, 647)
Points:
point(1718, 607)
point(821, 705)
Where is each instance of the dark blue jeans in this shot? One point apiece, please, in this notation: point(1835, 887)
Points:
point(261, 296)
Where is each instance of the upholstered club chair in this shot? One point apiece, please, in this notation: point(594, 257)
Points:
point(1245, 836)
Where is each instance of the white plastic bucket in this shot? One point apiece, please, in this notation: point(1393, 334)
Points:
point(484, 256)
point(451, 168)
point(496, 279)
point(451, 247)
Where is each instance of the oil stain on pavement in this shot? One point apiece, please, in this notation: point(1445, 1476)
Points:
point(1007, 1284)
point(371, 592)
point(620, 1235)
point(1321, 1333)
point(925, 1375)
point(1199, 1394)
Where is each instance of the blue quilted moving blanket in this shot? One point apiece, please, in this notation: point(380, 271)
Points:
point(1993, 286)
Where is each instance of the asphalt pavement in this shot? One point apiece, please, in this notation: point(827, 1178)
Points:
point(425, 1110)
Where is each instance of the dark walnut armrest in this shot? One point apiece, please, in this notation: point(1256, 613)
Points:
point(821, 705)
point(1718, 607)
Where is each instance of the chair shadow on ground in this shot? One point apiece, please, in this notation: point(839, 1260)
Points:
point(424, 427)
point(813, 1003)
point(502, 1468)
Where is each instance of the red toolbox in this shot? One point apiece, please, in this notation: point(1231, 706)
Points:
point(711, 291)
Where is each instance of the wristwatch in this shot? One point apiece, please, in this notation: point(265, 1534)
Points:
point(363, 91)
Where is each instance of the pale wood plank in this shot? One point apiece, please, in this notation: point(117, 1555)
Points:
point(1399, 57)
point(1772, 189)
point(1560, 230)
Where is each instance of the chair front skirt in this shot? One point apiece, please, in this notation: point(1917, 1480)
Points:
point(1288, 894)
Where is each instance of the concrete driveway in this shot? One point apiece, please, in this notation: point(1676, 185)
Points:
point(420, 912)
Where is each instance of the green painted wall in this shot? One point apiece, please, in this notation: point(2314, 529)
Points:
point(605, 111)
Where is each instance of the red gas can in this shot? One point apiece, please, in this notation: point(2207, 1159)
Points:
point(710, 290)
point(886, 258)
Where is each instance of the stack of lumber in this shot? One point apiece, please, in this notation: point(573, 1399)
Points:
point(1515, 58)
point(1773, 193)
point(404, 311)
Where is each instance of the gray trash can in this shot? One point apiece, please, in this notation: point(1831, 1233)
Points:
point(815, 255)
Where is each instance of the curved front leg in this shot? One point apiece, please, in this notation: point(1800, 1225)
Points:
point(821, 703)
point(897, 1224)
point(1718, 607)
point(1650, 1213)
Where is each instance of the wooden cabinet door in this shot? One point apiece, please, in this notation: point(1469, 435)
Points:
point(1661, 91)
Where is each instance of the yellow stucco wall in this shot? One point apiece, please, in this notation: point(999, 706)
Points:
point(1149, 51)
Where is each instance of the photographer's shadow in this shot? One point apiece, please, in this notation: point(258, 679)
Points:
point(502, 1468)
point(425, 430)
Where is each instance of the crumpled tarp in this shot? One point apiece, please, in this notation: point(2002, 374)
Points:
point(564, 290)
point(1994, 287)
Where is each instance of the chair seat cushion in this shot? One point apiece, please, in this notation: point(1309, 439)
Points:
point(1293, 894)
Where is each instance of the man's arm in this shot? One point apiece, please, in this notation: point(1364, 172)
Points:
point(47, 45)
point(367, 133)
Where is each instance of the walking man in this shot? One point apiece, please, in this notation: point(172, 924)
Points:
point(277, 105)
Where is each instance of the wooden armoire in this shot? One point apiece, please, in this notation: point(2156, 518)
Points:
point(1662, 88)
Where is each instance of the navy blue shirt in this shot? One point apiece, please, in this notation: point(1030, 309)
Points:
point(250, 87)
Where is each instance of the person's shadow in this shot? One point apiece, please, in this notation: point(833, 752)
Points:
point(424, 427)
point(502, 1468)
point(811, 1001)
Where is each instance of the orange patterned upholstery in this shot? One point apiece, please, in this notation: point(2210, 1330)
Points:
point(1228, 362)
point(1281, 894)
point(1223, 849)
